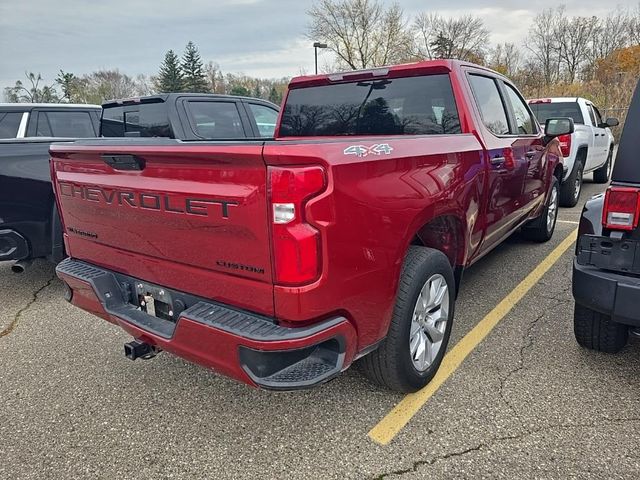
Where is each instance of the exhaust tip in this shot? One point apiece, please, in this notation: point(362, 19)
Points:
point(21, 266)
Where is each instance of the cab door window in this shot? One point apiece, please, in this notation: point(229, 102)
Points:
point(525, 123)
point(489, 101)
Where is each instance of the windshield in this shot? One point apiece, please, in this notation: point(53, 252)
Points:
point(544, 111)
point(402, 106)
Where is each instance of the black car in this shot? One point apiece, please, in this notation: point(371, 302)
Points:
point(606, 270)
point(189, 116)
point(29, 223)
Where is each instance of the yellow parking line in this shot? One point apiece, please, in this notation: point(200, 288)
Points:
point(402, 413)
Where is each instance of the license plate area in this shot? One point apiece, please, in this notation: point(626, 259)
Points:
point(155, 301)
point(609, 254)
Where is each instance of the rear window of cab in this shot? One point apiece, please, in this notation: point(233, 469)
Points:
point(422, 105)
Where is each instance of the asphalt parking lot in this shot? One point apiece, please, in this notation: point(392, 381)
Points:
point(526, 403)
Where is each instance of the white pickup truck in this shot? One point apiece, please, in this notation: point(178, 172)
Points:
point(588, 149)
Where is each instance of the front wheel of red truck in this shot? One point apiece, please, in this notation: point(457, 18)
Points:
point(419, 332)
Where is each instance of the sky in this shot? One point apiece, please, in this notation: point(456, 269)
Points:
point(264, 38)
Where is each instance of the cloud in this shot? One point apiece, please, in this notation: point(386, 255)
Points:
point(256, 37)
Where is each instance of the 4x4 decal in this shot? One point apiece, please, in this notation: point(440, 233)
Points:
point(363, 150)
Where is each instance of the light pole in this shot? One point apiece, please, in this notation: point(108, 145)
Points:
point(316, 46)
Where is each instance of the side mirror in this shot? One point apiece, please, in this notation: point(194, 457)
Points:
point(554, 127)
point(611, 122)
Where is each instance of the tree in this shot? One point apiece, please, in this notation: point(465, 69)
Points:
point(241, 91)
point(633, 27)
point(505, 58)
point(443, 47)
point(574, 41)
point(275, 96)
point(362, 33)
point(464, 37)
point(214, 77)
point(193, 70)
point(31, 94)
point(543, 43)
point(170, 78)
point(69, 84)
point(100, 86)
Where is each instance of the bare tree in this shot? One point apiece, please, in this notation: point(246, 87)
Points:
point(33, 93)
point(362, 33)
point(633, 26)
point(574, 37)
point(506, 58)
point(465, 37)
point(215, 78)
point(543, 43)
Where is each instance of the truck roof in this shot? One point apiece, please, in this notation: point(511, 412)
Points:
point(28, 106)
point(163, 97)
point(445, 65)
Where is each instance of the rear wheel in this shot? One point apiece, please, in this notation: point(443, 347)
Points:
point(603, 174)
point(570, 190)
point(596, 331)
point(541, 229)
point(419, 332)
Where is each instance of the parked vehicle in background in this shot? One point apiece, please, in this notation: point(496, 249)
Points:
point(589, 149)
point(29, 223)
point(606, 270)
point(280, 262)
point(189, 116)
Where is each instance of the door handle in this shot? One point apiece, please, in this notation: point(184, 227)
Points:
point(123, 162)
point(497, 160)
point(530, 154)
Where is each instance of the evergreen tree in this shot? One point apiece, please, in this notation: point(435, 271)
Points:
point(443, 47)
point(170, 78)
point(193, 70)
point(240, 91)
point(275, 96)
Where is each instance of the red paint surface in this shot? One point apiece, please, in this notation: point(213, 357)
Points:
point(367, 216)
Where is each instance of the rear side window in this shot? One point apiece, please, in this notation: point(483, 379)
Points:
point(265, 118)
point(215, 120)
point(400, 106)
point(544, 111)
point(9, 124)
point(65, 125)
point(42, 127)
point(524, 120)
point(144, 120)
point(489, 102)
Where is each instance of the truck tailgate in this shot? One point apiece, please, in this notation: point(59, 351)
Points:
point(181, 216)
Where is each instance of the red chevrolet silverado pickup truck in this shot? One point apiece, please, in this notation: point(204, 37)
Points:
point(280, 262)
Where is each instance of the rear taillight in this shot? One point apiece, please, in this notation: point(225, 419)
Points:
point(621, 208)
point(565, 145)
point(296, 243)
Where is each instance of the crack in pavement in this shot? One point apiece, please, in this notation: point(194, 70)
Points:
point(504, 439)
point(18, 315)
point(527, 341)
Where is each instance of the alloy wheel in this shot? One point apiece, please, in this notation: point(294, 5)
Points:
point(429, 322)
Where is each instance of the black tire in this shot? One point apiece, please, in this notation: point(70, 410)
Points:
point(603, 174)
point(596, 331)
point(570, 190)
point(391, 364)
point(539, 229)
